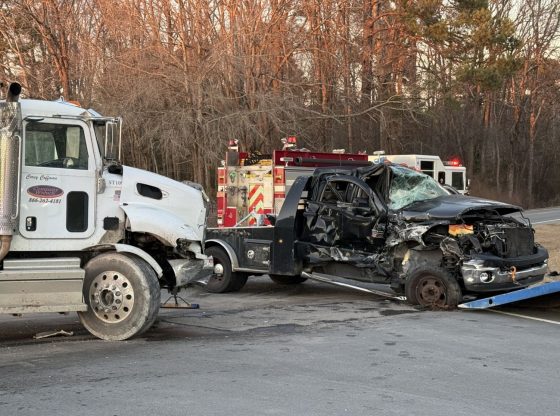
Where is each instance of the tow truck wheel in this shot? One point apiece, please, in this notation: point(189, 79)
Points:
point(223, 279)
point(287, 280)
point(432, 287)
point(123, 296)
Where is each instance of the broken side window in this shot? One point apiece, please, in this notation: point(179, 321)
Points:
point(334, 192)
point(408, 186)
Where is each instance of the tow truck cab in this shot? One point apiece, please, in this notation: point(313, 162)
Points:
point(82, 232)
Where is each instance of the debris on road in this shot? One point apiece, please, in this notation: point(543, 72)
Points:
point(49, 334)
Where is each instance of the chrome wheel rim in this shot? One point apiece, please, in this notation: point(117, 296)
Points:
point(111, 297)
point(218, 269)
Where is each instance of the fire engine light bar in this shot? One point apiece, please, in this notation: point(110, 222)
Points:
point(292, 140)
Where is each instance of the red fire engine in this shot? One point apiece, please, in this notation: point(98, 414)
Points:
point(251, 184)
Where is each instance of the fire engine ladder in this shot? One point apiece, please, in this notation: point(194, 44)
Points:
point(529, 292)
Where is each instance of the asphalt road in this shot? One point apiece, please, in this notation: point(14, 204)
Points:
point(310, 349)
point(543, 215)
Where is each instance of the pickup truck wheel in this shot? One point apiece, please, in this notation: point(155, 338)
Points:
point(432, 287)
point(123, 296)
point(223, 279)
point(287, 280)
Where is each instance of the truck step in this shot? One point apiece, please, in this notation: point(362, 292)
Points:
point(42, 285)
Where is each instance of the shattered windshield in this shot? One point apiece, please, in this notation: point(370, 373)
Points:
point(408, 186)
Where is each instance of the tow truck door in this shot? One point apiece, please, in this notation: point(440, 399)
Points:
point(58, 180)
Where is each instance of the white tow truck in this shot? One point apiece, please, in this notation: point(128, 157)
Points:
point(81, 232)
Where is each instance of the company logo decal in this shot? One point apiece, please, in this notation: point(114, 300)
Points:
point(45, 191)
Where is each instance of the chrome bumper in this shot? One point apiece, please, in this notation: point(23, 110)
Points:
point(480, 278)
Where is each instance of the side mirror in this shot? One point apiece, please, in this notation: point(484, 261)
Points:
point(113, 140)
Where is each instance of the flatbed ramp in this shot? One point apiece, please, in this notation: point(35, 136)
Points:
point(515, 296)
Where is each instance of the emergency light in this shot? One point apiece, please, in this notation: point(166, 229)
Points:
point(453, 162)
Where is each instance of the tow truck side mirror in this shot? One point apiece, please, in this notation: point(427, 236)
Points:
point(112, 143)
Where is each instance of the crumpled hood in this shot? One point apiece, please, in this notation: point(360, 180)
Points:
point(179, 212)
point(451, 207)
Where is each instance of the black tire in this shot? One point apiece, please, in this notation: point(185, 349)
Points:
point(432, 287)
point(239, 281)
point(287, 280)
point(123, 296)
point(223, 279)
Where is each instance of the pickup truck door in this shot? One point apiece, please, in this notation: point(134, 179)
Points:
point(342, 213)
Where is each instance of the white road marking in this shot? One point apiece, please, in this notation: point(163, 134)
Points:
point(551, 209)
point(542, 222)
point(548, 321)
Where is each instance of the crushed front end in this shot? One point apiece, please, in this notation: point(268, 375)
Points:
point(502, 256)
point(490, 252)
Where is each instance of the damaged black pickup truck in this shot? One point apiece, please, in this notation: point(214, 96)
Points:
point(384, 224)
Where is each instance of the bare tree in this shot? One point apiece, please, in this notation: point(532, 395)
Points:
point(476, 79)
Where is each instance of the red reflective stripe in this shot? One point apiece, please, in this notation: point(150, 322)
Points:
point(253, 190)
point(258, 199)
point(279, 195)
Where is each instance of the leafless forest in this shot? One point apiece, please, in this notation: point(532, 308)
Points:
point(478, 79)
